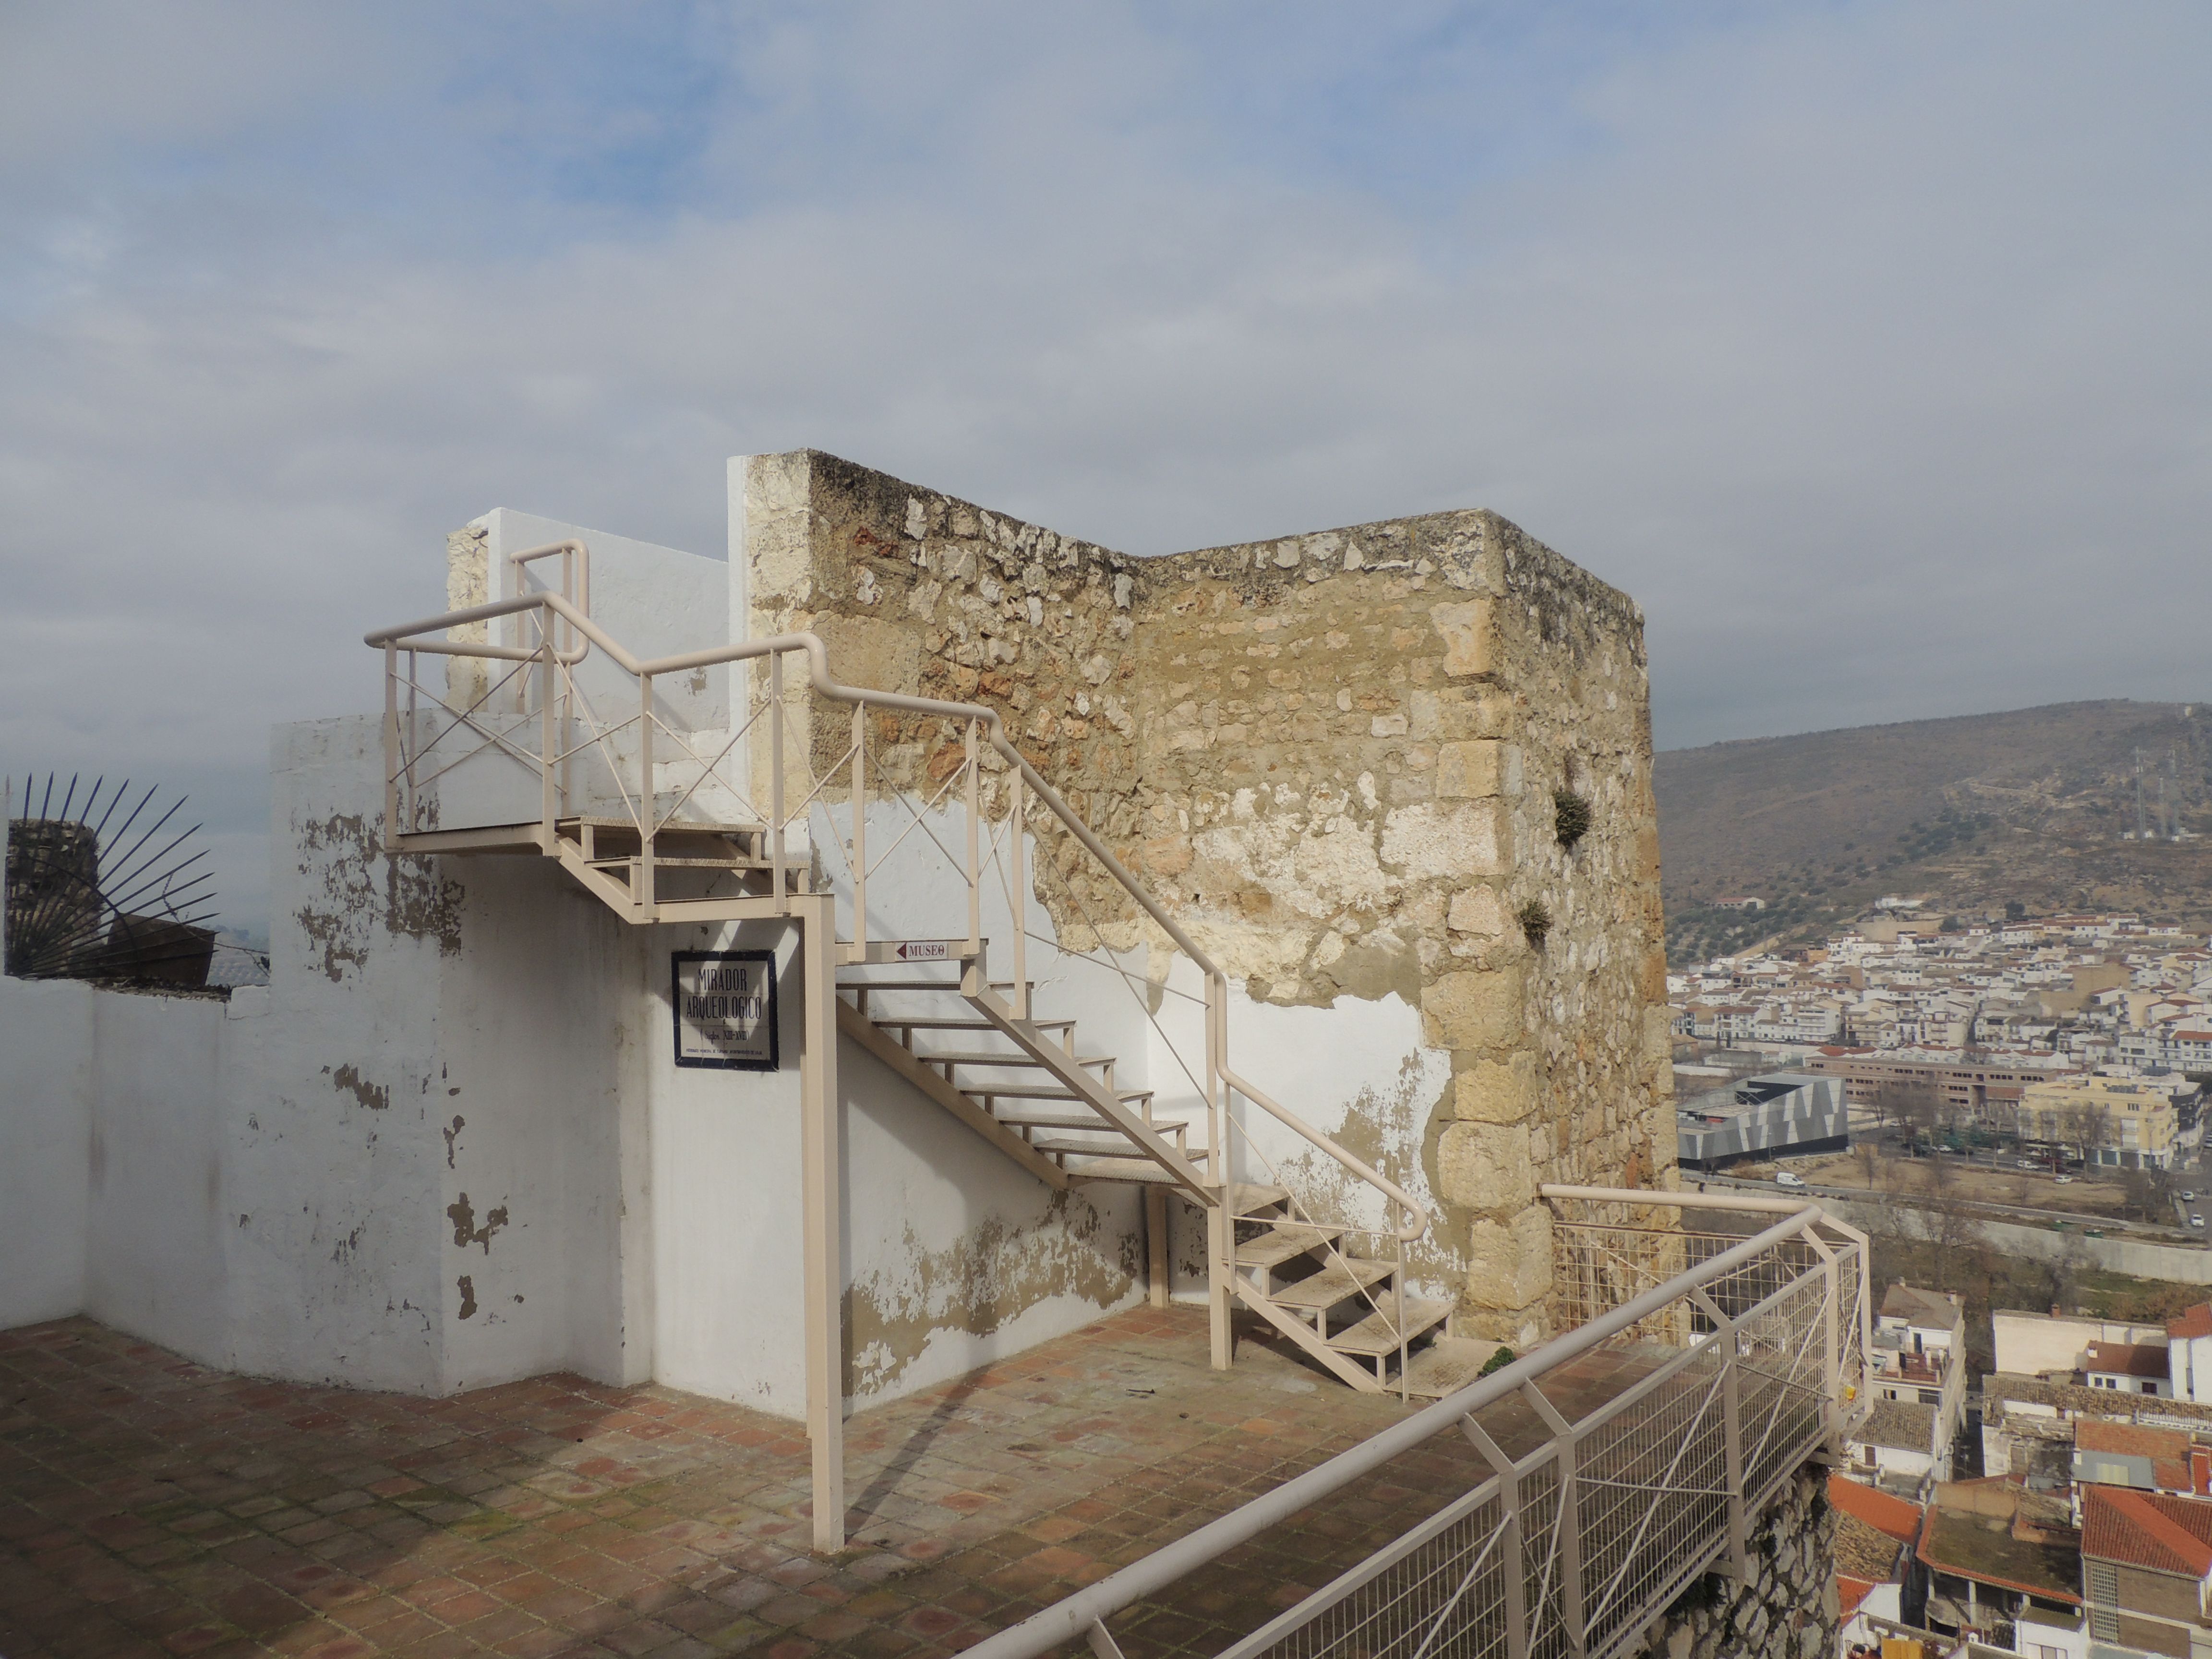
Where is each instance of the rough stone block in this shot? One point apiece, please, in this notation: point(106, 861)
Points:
point(1486, 1166)
point(1477, 768)
point(1497, 1091)
point(1509, 1264)
point(1473, 1010)
point(1469, 638)
point(1478, 910)
point(1428, 841)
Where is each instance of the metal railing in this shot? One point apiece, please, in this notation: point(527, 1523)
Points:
point(1705, 1368)
point(428, 736)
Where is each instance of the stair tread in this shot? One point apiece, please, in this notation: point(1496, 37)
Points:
point(677, 827)
point(898, 985)
point(1284, 1244)
point(1085, 1148)
point(1345, 1276)
point(1446, 1366)
point(1246, 1196)
point(738, 861)
point(944, 1056)
point(920, 1023)
point(1043, 1092)
point(1125, 1168)
point(1066, 1120)
point(1375, 1334)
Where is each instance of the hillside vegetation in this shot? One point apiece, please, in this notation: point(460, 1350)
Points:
point(2030, 807)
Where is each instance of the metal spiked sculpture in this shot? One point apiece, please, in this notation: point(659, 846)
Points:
point(106, 890)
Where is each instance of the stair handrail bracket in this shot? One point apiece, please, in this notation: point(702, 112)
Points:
point(566, 633)
point(1728, 1377)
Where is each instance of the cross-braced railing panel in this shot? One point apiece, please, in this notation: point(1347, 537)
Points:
point(1625, 1458)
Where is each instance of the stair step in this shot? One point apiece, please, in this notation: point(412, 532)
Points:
point(1375, 1335)
point(1446, 1366)
point(918, 1025)
point(1284, 1244)
point(1139, 1169)
point(1345, 1276)
point(735, 861)
point(1245, 1197)
point(1083, 1148)
point(1044, 1091)
point(1015, 1059)
point(898, 985)
point(676, 827)
point(1165, 1126)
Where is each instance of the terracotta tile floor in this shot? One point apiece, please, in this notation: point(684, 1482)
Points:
point(149, 1505)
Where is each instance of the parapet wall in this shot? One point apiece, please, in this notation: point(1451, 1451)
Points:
point(1334, 756)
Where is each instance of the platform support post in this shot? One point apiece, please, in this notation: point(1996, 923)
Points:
point(821, 1161)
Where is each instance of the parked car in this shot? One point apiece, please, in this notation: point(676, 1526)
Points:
point(2196, 1221)
point(1786, 1178)
point(2029, 1164)
point(2188, 1197)
point(2061, 1181)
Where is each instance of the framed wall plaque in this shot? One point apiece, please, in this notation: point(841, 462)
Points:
point(724, 1003)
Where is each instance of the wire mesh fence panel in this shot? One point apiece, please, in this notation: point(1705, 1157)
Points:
point(1439, 1592)
point(1652, 1493)
point(1785, 1384)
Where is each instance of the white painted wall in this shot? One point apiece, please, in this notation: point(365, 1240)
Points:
point(46, 1114)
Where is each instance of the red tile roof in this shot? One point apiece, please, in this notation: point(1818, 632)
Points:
point(1892, 1515)
point(2149, 1530)
point(1850, 1592)
point(2126, 1359)
point(2196, 1322)
point(2129, 1439)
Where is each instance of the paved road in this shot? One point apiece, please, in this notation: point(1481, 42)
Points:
point(2162, 1235)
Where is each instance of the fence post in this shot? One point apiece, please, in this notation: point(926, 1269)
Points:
point(1832, 1345)
point(392, 746)
point(776, 782)
point(1567, 1445)
point(547, 746)
point(648, 807)
point(1516, 1541)
point(1020, 900)
point(860, 951)
point(974, 852)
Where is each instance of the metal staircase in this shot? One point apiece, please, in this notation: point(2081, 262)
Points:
point(636, 833)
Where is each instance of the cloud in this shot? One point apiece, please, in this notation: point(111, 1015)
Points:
point(1863, 343)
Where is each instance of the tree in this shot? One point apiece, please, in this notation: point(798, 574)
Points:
point(1869, 1158)
point(1957, 1248)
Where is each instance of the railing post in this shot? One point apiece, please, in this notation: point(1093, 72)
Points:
point(390, 746)
point(974, 852)
point(776, 780)
point(1831, 1347)
point(1565, 1444)
point(547, 748)
point(859, 832)
point(1513, 1554)
point(1739, 1520)
point(1020, 900)
point(823, 1223)
point(648, 805)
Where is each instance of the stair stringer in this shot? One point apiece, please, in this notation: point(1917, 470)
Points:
point(1343, 1370)
point(858, 1026)
point(1094, 1094)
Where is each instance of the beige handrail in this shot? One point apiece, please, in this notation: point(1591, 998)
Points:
point(819, 679)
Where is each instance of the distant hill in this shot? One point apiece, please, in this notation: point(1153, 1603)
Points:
point(2029, 807)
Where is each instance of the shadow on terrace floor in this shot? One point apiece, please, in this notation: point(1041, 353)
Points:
point(149, 1505)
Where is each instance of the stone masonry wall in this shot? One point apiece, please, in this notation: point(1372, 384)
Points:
point(1335, 757)
point(1787, 1609)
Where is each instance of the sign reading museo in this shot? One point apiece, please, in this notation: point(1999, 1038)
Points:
point(726, 1008)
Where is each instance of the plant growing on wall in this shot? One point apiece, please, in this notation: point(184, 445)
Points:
point(1535, 921)
point(1570, 816)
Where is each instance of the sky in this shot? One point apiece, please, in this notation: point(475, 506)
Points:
point(1866, 344)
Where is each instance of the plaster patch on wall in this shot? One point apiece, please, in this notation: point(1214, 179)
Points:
point(468, 1288)
point(980, 1284)
point(414, 898)
point(347, 1079)
point(463, 1215)
point(451, 1135)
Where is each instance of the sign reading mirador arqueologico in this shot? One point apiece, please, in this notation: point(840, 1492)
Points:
point(724, 1003)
